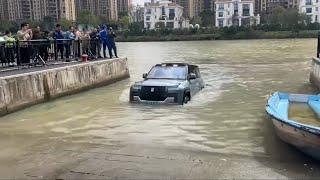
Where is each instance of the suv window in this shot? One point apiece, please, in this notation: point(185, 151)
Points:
point(168, 72)
point(194, 70)
point(197, 72)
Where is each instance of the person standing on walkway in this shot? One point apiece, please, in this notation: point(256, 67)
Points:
point(99, 43)
point(94, 40)
point(9, 48)
point(70, 36)
point(111, 43)
point(24, 35)
point(41, 46)
point(104, 40)
point(58, 36)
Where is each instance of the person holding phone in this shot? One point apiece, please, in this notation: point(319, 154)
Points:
point(24, 35)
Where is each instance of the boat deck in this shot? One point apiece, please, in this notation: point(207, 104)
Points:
point(302, 113)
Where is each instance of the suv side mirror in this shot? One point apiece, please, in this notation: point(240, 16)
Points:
point(192, 76)
point(144, 76)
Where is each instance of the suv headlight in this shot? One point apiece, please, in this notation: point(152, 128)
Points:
point(173, 88)
point(136, 87)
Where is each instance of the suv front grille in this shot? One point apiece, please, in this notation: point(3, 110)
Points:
point(153, 93)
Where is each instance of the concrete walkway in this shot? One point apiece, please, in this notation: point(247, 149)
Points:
point(9, 71)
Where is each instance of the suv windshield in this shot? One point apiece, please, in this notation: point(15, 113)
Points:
point(168, 72)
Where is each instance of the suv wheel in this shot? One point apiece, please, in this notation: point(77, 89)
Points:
point(186, 99)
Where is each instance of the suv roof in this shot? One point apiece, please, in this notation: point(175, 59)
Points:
point(175, 64)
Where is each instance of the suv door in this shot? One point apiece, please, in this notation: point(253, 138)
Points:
point(200, 83)
point(193, 82)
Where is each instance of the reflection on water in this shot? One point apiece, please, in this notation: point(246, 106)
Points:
point(301, 112)
point(227, 117)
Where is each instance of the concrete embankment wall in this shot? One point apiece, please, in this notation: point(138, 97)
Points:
point(22, 90)
point(315, 72)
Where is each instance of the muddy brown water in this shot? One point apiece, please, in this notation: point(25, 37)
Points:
point(302, 112)
point(227, 119)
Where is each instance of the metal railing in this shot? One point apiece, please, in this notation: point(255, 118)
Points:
point(318, 46)
point(47, 51)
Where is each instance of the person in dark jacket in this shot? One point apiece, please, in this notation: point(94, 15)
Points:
point(99, 45)
point(104, 40)
point(44, 49)
point(111, 43)
point(70, 36)
point(58, 35)
point(94, 38)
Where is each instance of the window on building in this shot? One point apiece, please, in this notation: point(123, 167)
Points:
point(148, 25)
point(220, 23)
point(245, 10)
point(170, 25)
point(163, 11)
point(220, 14)
point(308, 10)
point(236, 5)
point(235, 12)
point(221, 7)
point(308, 2)
point(148, 11)
point(316, 18)
point(147, 18)
point(172, 14)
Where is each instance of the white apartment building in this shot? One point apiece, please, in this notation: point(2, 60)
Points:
point(166, 13)
point(311, 9)
point(235, 13)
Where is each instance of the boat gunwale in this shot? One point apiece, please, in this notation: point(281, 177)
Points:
point(298, 125)
point(311, 129)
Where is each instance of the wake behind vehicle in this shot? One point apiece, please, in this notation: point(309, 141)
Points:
point(168, 83)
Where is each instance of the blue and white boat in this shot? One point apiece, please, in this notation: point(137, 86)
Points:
point(304, 136)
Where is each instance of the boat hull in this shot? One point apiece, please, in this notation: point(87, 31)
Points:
point(305, 141)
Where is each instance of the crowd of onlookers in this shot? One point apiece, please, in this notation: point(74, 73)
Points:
point(30, 43)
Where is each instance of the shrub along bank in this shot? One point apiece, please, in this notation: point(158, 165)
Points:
point(250, 34)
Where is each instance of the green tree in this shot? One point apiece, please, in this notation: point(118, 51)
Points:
point(34, 24)
point(207, 18)
point(122, 14)
point(7, 25)
point(125, 22)
point(160, 25)
point(65, 23)
point(87, 18)
point(136, 28)
point(196, 20)
point(277, 16)
point(48, 23)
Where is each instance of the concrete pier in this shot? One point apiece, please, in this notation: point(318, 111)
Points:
point(24, 89)
point(315, 72)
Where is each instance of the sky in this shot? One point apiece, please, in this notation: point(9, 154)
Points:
point(139, 1)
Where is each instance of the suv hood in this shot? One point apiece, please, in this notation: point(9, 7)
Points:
point(160, 82)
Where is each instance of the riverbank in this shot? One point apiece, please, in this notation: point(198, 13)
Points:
point(21, 88)
point(222, 36)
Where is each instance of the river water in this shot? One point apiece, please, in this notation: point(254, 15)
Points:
point(227, 119)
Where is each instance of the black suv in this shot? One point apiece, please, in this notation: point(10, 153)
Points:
point(169, 83)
